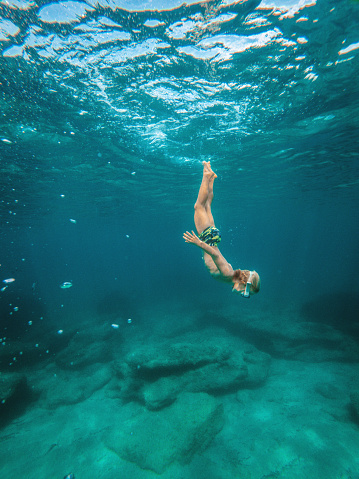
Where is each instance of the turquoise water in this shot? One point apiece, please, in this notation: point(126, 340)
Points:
point(108, 109)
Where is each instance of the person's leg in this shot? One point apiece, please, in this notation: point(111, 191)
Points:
point(209, 199)
point(201, 217)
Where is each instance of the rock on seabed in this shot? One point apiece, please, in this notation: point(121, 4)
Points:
point(154, 440)
point(156, 375)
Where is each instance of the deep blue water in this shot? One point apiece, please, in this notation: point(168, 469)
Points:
point(111, 132)
point(108, 109)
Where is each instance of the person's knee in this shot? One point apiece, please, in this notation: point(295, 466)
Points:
point(199, 206)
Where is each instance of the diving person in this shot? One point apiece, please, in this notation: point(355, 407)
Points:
point(243, 281)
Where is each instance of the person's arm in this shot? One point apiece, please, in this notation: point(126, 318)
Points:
point(193, 238)
point(223, 266)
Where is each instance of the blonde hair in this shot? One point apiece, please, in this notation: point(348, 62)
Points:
point(242, 276)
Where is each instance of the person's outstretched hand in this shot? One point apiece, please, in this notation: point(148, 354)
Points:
point(191, 238)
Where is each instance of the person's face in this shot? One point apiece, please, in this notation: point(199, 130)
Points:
point(238, 287)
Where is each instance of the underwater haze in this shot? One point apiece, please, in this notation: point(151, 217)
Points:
point(119, 355)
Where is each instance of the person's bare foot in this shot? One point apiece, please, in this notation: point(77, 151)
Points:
point(206, 165)
point(207, 170)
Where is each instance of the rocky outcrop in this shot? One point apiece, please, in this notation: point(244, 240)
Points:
point(288, 337)
point(155, 440)
point(86, 348)
point(156, 375)
point(61, 387)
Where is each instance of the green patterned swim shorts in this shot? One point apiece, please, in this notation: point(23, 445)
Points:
point(211, 236)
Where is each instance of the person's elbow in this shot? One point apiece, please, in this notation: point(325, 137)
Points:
point(214, 253)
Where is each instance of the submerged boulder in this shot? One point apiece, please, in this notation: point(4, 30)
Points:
point(289, 337)
point(154, 440)
point(178, 357)
point(60, 387)
point(85, 348)
point(156, 375)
